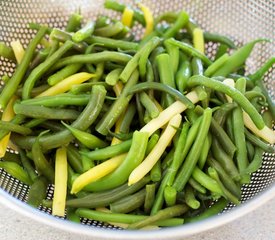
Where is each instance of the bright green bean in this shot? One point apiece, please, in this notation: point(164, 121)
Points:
point(38, 72)
point(193, 156)
point(129, 203)
point(166, 213)
point(11, 86)
point(233, 93)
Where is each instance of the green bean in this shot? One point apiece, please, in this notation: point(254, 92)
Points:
point(35, 111)
point(237, 59)
point(233, 93)
point(5, 78)
point(166, 74)
point(197, 66)
point(226, 193)
point(133, 159)
point(169, 17)
point(87, 163)
point(37, 26)
point(256, 162)
point(205, 151)
point(112, 43)
point(52, 125)
point(190, 199)
point(94, 58)
point(140, 111)
point(206, 181)
point(74, 158)
point(189, 50)
point(104, 198)
point(99, 71)
point(110, 118)
point(142, 62)
point(226, 162)
point(114, 5)
point(216, 65)
point(229, 127)
point(216, 208)
point(149, 197)
point(258, 142)
point(250, 150)
point(16, 171)
point(84, 120)
point(64, 73)
point(149, 105)
point(182, 75)
point(54, 46)
point(170, 195)
point(74, 22)
point(27, 165)
point(129, 203)
point(18, 119)
point(258, 75)
point(42, 68)
point(71, 215)
point(15, 128)
point(239, 136)
point(6, 51)
point(161, 87)
point(109, 30)
point(84, 32)
point(11, 86)
point(196, 186)
point(85, 87)
point(166, 213)
point(225, 177)
point(113, 77)
point(221, 113)
point(267, 116)
point(87, 139)
point(38, 191)
point(225, 141)
point(193, 156)
point(40, 57)
point(213, 37)
point(133, 63)
point(181, 21)
point(127, 119)
point(179, 154)
point(11, 157)
point(271, 104)
point(155, 172)
point(124, 218)
point(57, 35)
point(42, 165)
point(59, 100)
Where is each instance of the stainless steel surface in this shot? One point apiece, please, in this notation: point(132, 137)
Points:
point(242, 20)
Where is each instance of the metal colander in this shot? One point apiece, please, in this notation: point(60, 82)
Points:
point(241, 20)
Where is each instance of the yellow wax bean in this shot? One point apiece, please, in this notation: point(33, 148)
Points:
point(149, 19)
point(198, 39)
point(168, 113)
point(127, 17)
point(66, 84)
point(60, 182)
point(18, 50)
point(7, 115)
point(96, 173)
point(265, 133)
point(140, 171)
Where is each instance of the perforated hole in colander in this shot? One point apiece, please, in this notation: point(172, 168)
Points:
point(240, 20)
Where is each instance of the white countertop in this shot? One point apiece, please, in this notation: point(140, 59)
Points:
point(259, 224)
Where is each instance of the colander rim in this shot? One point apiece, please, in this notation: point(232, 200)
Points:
point(167, 233)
